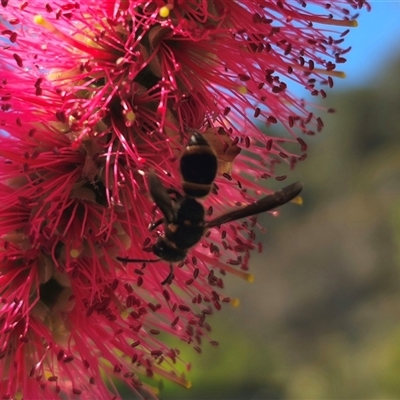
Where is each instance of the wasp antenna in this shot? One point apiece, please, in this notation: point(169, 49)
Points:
point(126, 259)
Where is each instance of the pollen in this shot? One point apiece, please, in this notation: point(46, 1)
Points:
point(242, 89)
point(39, 20)
point(165, 11)
point(235, 302)
point(130, 116)
point(74, 253)
point(76, 249)
point(188, 384)
point(250, 278)
point(298, 200)
point(87, 46)
point(48, 374)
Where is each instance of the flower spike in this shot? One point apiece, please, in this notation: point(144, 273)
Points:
point(95, 97)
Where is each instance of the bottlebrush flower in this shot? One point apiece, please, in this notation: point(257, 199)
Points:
point(94, 95)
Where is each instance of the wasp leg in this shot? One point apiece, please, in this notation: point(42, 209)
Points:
point(127, 259)
point(170, 277)
point(154, 225)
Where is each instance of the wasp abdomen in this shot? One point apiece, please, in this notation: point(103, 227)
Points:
point(198, 167)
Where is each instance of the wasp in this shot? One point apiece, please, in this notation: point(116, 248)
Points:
point(184, 216)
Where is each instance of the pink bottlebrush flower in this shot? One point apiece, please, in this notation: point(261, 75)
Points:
point(95, 95)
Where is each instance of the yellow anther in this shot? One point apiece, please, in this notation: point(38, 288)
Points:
point(76, 249)
point(235, 302)
point(242, 89)
point(74, 253)
point(86, 45)
point(130, 116)
point(164, 11)
point(187, 384)
point(250, 278)
point(298, 200)
point(40, 20)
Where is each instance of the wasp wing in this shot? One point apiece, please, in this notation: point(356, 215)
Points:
point(161, 197)
point(262, 205)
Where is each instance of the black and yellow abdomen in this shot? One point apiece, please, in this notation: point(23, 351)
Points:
point(198, 167)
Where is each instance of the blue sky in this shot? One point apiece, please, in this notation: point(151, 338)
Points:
point(375, 42)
